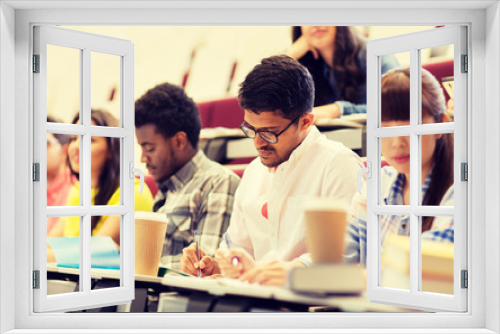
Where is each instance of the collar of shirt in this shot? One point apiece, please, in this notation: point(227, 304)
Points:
point(394, 195)
point(183, 175)
point(297, 154)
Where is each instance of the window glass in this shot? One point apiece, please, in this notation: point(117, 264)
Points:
point(105, 85)
point(63, 79)
point(437, 255)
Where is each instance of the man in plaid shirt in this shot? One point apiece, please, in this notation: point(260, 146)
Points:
point(195, 192)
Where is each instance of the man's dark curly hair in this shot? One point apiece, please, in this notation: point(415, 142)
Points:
point(169, 108)
point(278, 84)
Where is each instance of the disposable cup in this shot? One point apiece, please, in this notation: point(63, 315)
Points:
point(150, 229)
point(325, 221)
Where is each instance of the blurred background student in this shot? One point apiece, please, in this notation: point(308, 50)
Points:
point(336, 59)
point(59, 176)
point(104, 182)
point(437, 166)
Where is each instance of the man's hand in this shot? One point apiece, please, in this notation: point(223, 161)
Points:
point(272, 273)
point(190, 263)
point(235, 262)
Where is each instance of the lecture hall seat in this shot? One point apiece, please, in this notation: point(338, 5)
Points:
point(441, 70)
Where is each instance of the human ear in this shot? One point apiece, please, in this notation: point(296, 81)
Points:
point(180, 140)
point(306, 121)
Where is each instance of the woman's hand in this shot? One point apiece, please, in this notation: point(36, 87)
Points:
point(300, 47)
point(328, 111)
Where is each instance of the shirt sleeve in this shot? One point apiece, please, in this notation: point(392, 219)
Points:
point(442, 229)
point(348, 108)
point(238, 230)
point(216, 210)
point(355, 235)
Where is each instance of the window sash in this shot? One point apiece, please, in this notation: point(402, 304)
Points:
point(86, 43)
point(413, 43)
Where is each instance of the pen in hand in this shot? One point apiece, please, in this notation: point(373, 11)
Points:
point(197, 242)
point(234, 259)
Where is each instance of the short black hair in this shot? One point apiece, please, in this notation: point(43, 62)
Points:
point(169, 108)
point(61, 138)
point(278, 84)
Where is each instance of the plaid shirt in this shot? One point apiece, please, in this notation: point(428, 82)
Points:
point(199, 196)
point(442, 228)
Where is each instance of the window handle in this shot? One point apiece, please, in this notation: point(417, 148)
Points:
point(138, 171)
point(367, 170)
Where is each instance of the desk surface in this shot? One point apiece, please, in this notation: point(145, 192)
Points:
point(225, 289)
point(229, 287)
point(100, 273)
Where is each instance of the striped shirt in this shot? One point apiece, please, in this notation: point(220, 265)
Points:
point(392, 183)
point(198, 197)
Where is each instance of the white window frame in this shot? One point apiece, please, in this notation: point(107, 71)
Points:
point(414, 43)
point(86, 44)
point(483, 20)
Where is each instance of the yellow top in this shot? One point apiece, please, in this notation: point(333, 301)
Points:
point(143, 202)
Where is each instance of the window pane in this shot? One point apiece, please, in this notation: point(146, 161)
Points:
point(437, 169)
point(105, 254)
point(395, 99)
point(395, 170)
point(63, 255)
point(437, 84)
point(395, 259)
point(63, 83)
point(437, 254)
point(105, 85)
point(105, 170)
point(61, 177)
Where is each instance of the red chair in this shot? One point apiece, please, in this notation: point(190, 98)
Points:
point(151, 183)
point(205, 109)
point(226, 113)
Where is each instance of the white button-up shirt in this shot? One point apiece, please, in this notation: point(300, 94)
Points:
point(318, 167)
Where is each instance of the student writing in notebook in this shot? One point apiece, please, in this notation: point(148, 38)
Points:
point(295, 162)
point(437, 166)
point(196, 192)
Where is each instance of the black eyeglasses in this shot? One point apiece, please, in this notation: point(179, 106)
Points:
point(268, 136)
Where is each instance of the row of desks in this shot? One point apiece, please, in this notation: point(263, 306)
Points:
point(186, 294)
point(223, 144)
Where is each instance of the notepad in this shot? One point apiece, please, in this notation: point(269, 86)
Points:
point(221, 286)
point(104, 254)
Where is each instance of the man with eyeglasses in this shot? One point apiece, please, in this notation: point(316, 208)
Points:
point(266, 234)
